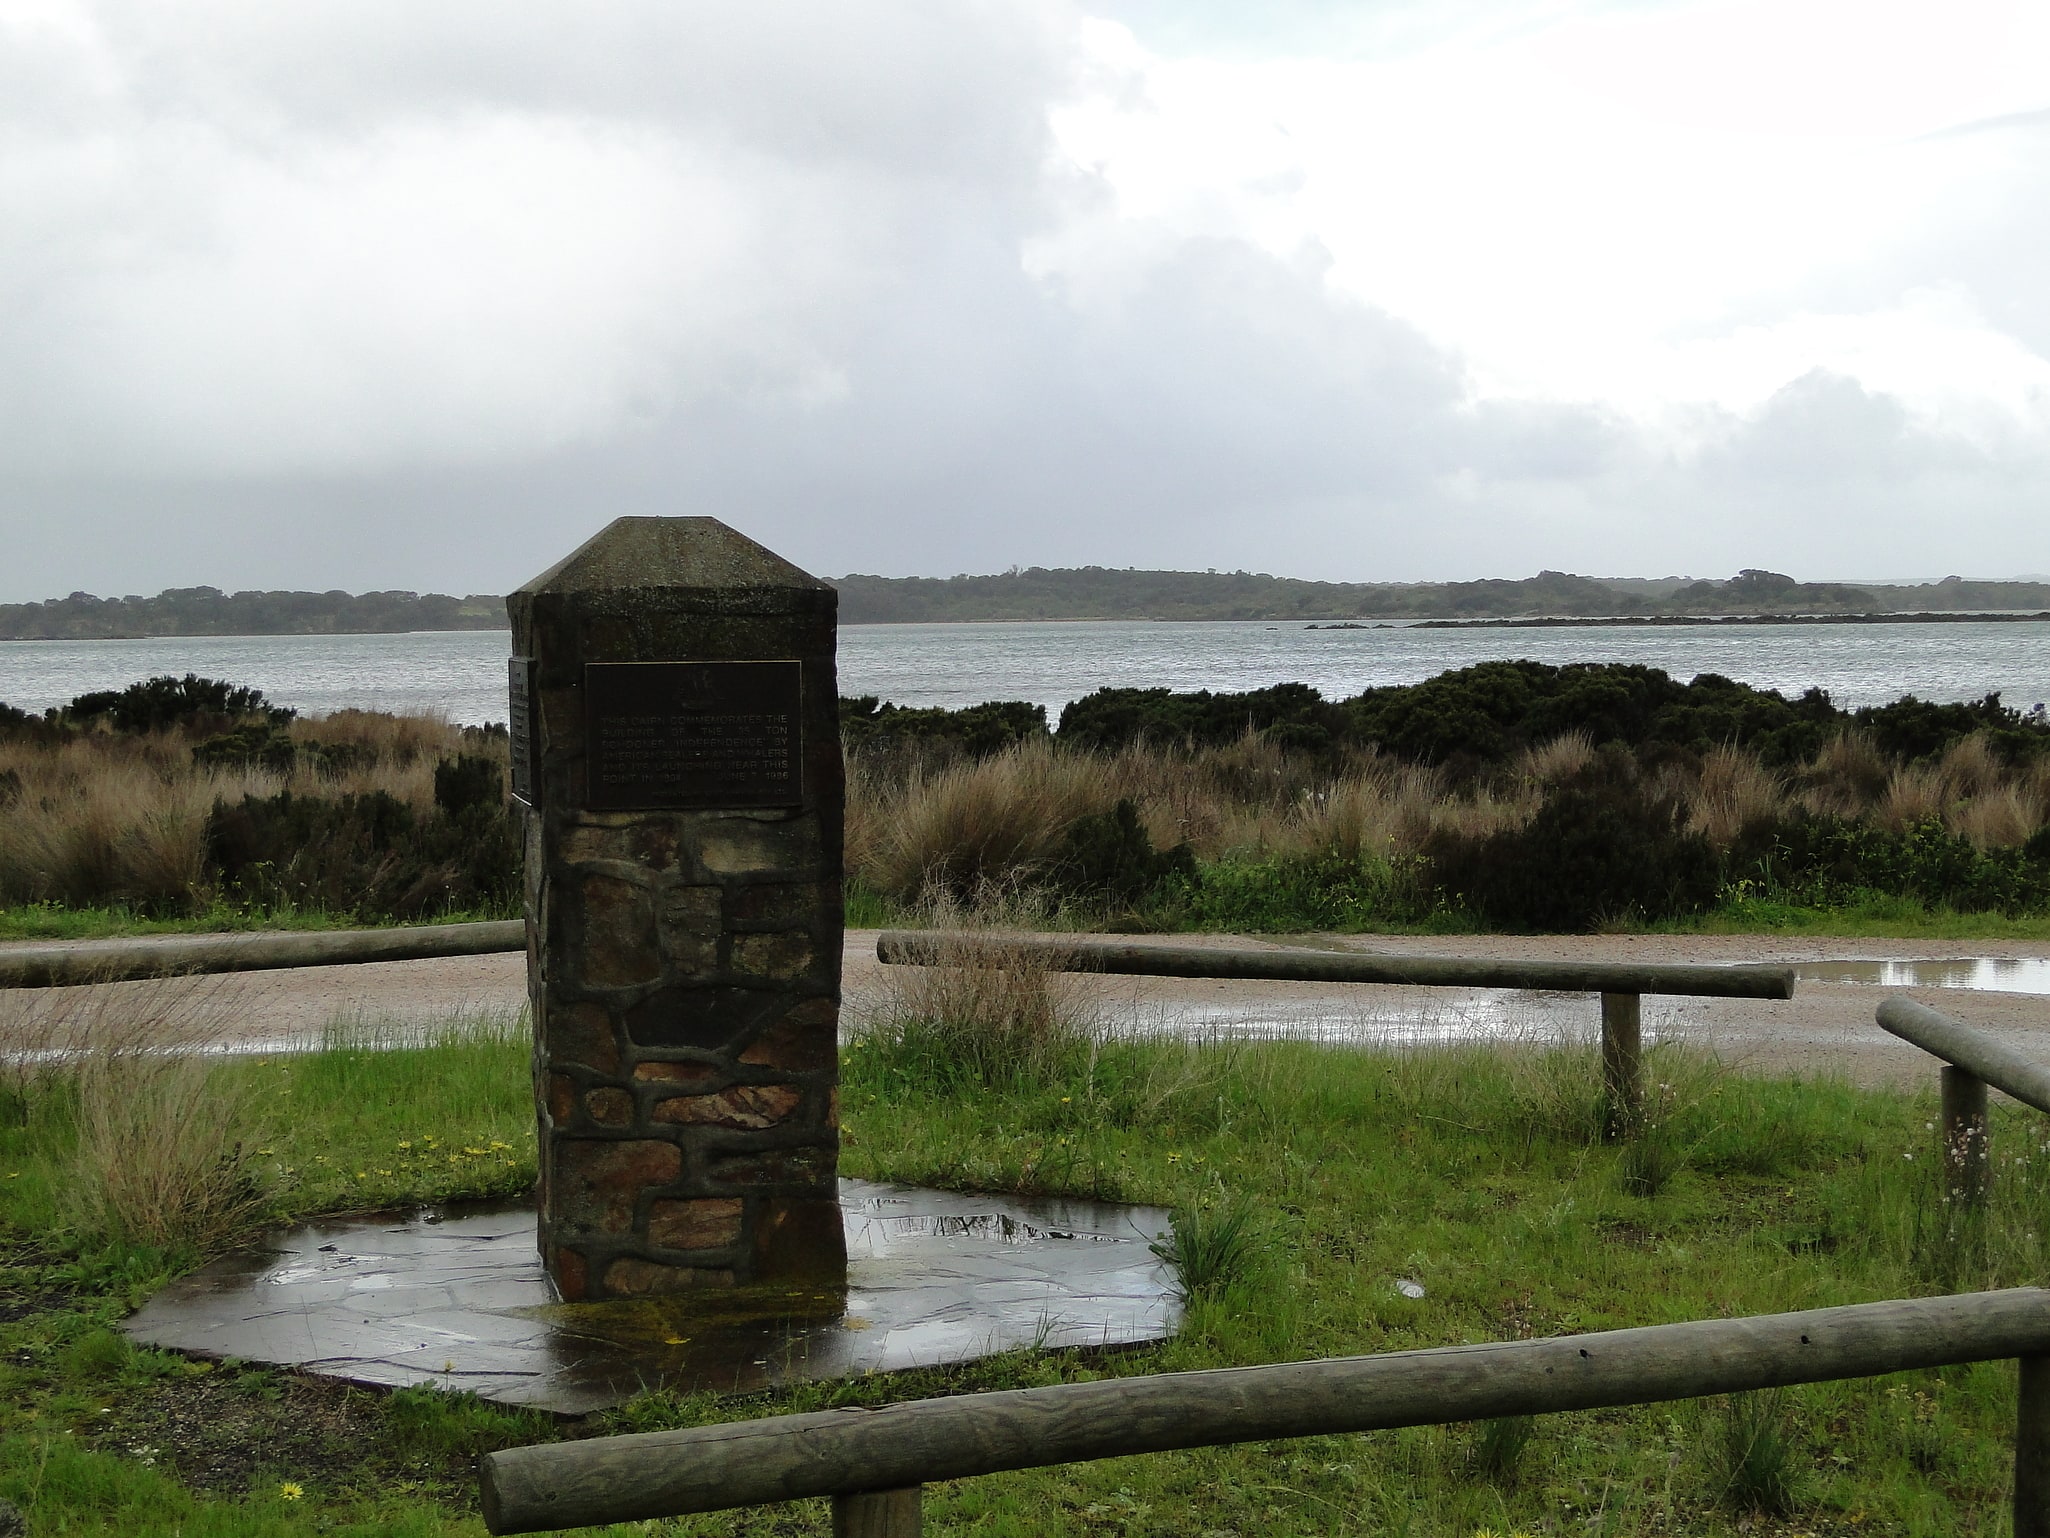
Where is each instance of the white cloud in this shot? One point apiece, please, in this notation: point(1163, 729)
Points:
point(1440, 291)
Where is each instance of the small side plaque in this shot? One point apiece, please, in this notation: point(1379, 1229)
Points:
point(519, 673)
point(693, 734)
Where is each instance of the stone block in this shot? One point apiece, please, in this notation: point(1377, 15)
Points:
point(780, 905)
point(695, 1076)
point(619, 949)
point(582, 1034)
point(690, 918)
point(743, 847)
point(800, 1238)
point(742, 1105)
point(709, 1223)
point(805, 1040)
point(629, 1277)
point(804, 1168)
point(571, 1272)
point(562, 1098)
point(709, 1019)
point(610, 1107)
point(774, 957)
point(597, 1183)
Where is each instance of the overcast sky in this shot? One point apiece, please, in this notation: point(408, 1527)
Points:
point(370, 293)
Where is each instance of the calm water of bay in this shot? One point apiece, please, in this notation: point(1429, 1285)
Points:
point(462, 673)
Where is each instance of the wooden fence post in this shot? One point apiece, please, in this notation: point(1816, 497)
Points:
point(879, 1514)
point(2032, 1450)
point(1965, 1162)
point(1622, 1063)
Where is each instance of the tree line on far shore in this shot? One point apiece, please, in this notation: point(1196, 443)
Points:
point(1040, 593)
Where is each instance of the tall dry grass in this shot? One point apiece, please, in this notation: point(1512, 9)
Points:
point(993, 825)
point(986, 1014)
point(163, 1145)
point(1733, 792)
point(108, 817)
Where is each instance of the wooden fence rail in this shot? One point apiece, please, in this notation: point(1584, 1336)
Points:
point(1619, 983)
point(1972, 1060)
point(110, 961)
point(872, 1463)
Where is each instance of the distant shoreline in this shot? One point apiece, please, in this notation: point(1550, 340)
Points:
point(1535, 622)
point(1551, 622)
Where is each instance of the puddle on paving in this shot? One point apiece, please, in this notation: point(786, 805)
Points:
point(1998, 974)
point(456, 1297)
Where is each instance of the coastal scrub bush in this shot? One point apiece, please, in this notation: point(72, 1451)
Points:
point(1828, 861)
point(1297, 892)
point(1606, 844)
point(164, 701)
point(1110, 858)
point(372, 854)
point(1292, 716)
point(256, 743)
point(975, 731)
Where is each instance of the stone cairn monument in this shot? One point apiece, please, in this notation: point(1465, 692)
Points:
point(675, 737)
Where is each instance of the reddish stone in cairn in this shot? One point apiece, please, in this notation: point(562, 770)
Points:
point(743, 1105)
point(597, 1183)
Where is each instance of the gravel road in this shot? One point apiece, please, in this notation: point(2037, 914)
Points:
point(1826, 1028)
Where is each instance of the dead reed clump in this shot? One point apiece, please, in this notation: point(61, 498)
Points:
point(1915, 793)
point(986, 1013)
point(1556, 761)
point(997, 820)
point(1734, 792)
point(163, 1140)
point(87, 827)
point(2001, 818)
point(1971, 767)
point(1845, 778)
point(372, 736)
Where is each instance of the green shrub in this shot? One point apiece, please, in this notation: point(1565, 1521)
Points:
point(371, 855)
point(1911, 728)
point(975, 731)
point(1828, 862)
point(254, 744)
point(164, 701)
point(1604, 845)
point(1292, 893)
point(1110, 858)
point(1293, 716)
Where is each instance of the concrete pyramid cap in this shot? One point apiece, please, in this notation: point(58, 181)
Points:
point(648, 554)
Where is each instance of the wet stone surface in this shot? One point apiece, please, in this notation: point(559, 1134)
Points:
point(456, 1297)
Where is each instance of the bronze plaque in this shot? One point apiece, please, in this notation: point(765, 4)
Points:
point(519, 673)
point(693, 734)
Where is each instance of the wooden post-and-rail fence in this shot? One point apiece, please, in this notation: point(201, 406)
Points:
point(873, 1463)
point(75, 963)
point(1620, 984)
point(1972, 1059)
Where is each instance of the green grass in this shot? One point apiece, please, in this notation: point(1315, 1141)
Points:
point(1475, 1173)
point(1237, 897)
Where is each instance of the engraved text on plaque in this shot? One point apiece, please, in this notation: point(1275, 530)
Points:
point(693, 734)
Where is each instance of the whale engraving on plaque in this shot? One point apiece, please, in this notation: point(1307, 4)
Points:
point(693, 734)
